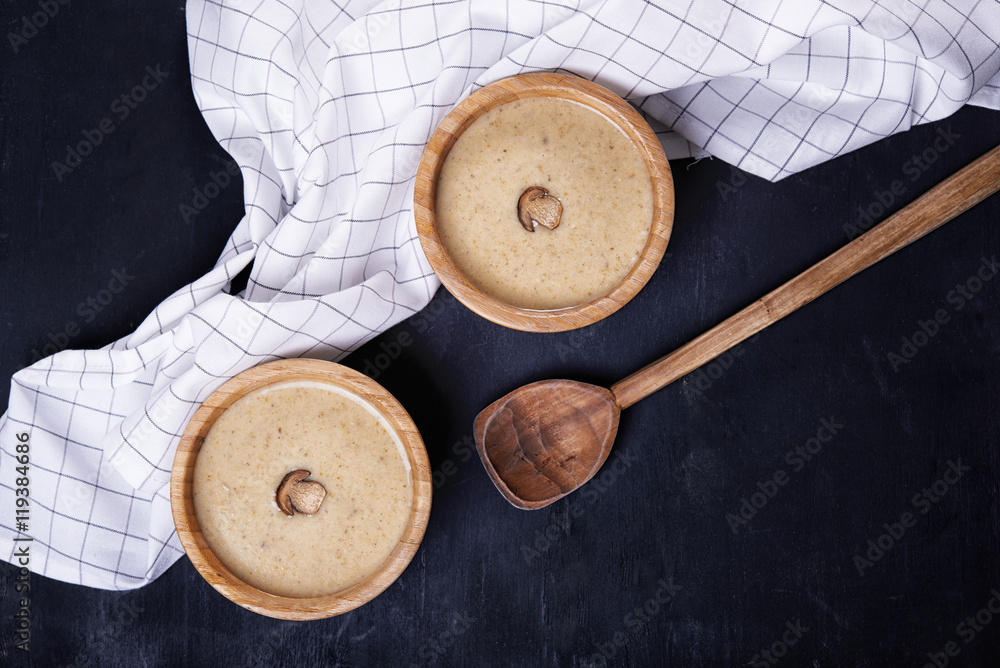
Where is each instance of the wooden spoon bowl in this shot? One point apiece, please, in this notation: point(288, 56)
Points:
point(565, 87)
point(546, 439)
point(216, 572)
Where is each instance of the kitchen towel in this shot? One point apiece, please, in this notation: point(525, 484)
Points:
point(326, 106)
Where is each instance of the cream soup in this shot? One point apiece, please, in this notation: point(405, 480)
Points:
point(345, 446)
point(581, 158)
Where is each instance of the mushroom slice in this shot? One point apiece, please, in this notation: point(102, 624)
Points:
point(537, 206)
point(307, 496)
point(283, 495)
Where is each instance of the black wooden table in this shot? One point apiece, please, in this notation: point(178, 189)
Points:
point(826, 494)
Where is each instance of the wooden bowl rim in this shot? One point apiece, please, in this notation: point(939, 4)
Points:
point(182, 502)
point(563, 86)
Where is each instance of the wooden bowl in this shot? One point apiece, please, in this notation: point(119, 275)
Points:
point(182, 498)
point(566, 87)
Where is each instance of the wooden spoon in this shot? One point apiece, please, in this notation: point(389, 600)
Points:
point(544, 440)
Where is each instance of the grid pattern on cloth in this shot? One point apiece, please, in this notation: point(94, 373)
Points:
point(326, 106)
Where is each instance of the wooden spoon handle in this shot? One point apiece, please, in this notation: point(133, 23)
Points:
point(949, 198)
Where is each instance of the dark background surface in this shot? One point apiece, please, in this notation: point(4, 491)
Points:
point(493, 585)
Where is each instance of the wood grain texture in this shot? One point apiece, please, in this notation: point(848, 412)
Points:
point(948, 199)
point(182, 501)
point(562, 86)
point(544, 440)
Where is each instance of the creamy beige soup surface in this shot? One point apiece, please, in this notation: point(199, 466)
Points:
point(346, 447)
point(580, 157)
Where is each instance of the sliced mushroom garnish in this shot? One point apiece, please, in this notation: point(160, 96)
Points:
point(537, 207)
point(295, 493)
point(307, 496)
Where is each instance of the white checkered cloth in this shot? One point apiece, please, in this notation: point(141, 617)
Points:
point(327, 106)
